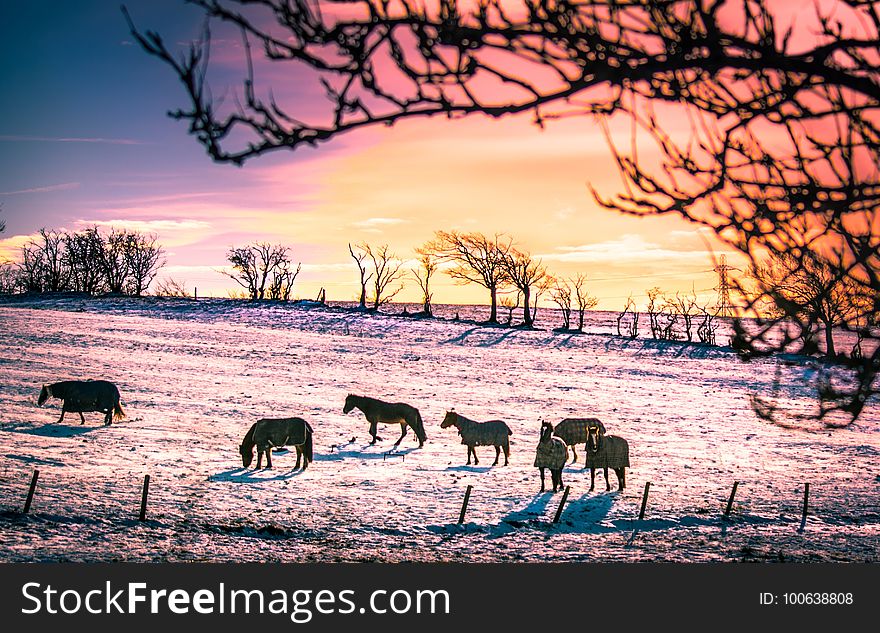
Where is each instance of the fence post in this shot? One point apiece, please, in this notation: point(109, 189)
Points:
point(464, 505)
point(143, 515)
point(806, 500)
point(730, 501)
point(31, 490)
point(644, 500)
point(561, 505)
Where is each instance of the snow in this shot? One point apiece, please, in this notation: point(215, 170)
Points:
point(195, 375)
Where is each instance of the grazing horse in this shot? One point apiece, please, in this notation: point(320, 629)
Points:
point(606, 451)
point(552, 453)
point(267, 433)
point(492, 433)
point(79, 396)
point(377, 411)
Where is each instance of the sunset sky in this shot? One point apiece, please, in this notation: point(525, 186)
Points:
point(84, 140)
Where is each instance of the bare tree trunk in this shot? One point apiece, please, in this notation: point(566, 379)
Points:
point(829, 339)
point(493, 305)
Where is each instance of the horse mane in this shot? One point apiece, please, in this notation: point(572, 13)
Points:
point(247, 441)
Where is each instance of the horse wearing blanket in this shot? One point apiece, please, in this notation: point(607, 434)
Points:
point(573, 431)
point(79, 396)
point(552, 453)
point(606, 451)
point(492, 433)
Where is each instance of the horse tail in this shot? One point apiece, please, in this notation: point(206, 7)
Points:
point(308, 449)
point(420, 431)
point(118, 413)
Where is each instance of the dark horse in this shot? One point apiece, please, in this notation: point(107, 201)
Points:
point(79, 396)
point(266, 433)
point(377, 411)
point(606, 451)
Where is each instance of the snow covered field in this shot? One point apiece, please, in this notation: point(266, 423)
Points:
point(195, 376)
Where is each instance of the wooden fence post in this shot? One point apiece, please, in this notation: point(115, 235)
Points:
point(143, 515)
point(31, 490)
point(730, 501)
point(644, 500)
point(806, 500)
point(464, 505)
point(561, 505)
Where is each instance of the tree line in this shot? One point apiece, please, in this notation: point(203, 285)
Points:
point(91, 261)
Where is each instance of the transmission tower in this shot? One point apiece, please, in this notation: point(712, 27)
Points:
point(725, 307)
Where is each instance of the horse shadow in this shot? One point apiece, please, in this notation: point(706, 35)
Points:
point(49, 430)
point(35, 460)
point(250, 475)
point(363, 453)
point(464, 468)
point(464, 336)
point(535, 509)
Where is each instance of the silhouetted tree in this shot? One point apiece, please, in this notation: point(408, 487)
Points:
point(115, 261)
point(144, 258)
point(386, 272)
point(813, 290)
point(477, 259)
point(83, 255)
point(526, 275)
point(359, 254)
point(585, 301)
point(561, 295)
point(254, 265)
point(49, 247)
point(281, 285)
point(427, 260)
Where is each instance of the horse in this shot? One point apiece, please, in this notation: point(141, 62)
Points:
point(492, 433)
point(573, 431)
point(552, 453)
point(267, 433)
point(606, 451)
point(377, 411)
point(79, 396)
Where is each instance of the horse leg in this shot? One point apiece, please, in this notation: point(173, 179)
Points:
point(299, 453)
point(269, 456)
point(497, 455)
point(109, 417)
point(61, 419)
point(575, 453)
point(542, 479)
point(476, 460)
point(506, 453)
point(259, 458)
point(592, 478)
point(607, 483)
point(621, 478)
point(374, 427)
point(402, 434)
point(82, 418)
point(469, 456)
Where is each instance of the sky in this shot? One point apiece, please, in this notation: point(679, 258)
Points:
point(85, 140)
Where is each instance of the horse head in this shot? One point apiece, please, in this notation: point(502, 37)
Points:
point(45, 392)
point(349, 403)
point(594, 438)
point(546, 431)
point(451, 419)
point(247, 455)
